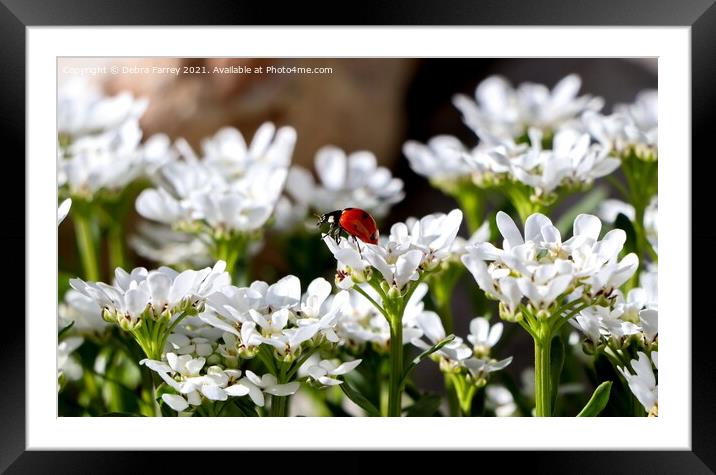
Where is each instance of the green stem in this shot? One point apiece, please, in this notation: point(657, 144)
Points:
point(451, 390)
point(396, 366)
point(472, 202)
point(543, 395)
point(87, 246)
point(117, 252)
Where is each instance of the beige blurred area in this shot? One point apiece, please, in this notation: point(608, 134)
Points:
point(359, 105)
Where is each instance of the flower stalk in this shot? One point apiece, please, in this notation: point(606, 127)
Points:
point(86, 244)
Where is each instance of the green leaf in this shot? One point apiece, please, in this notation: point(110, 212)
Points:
point(624, 223)
point(587, 204)
point(359, 399)
point(65, 330)
point(121, 414)
point(426, 406)
point(415, 361)
point(556, 365)
point(598, 401)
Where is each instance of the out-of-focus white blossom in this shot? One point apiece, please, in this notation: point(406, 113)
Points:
point(508, 112)
point(68, 368)
point(63, 209)
point(353, 180)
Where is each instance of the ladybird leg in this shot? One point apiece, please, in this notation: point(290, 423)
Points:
point(355, 239)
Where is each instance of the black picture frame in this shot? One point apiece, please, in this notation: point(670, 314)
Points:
point(699, 15)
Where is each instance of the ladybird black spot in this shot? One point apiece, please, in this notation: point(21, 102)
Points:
point(365, 215)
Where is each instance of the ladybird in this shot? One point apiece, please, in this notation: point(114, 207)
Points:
point(354, 222)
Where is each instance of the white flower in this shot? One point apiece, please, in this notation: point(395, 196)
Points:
point(543, 269)
point(609, 210)
point(631, 128)
point(643, 116)
point(185, 345)
point(361, 323)
point(508, 112)
point(460, 245)
point(276, 315)
point(162, 244)
point(571, 161)
point(83, 311)
point(443, 159)
point(256, 386)
point(480, 369)
point(484, 336)
point(500, 399)
point(193, 382)
point(232, 189)
point(353, 180)
point(411, 248)
point(63, 209)
point(83, 110)
point(326, 371)
point(643, 382)
point(156, 294)
point(108, 161)
point(67, 366)
point(228, 153)
point(433, 330)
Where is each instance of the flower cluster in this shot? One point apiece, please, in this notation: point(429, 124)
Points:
point(473, 361)
point(276, 316)
point(233, 189)
point(194, 382)
point(532, 143)
point(630, 129)
point(99, 148)
point(538, 273)
point(412, 249)
point(162, 294)
point(344, 180)
point(361, 323)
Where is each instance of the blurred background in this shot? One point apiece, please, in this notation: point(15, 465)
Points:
point(361, 104)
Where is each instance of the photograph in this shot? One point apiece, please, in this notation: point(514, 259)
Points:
point(357, 237)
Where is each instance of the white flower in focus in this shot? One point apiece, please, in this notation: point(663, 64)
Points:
point(450, 355)
point(508, 112)
point(276, 315)
point(326, 371)
point(571, 161)
point(63, 209)
point(256, 387)
point(411, 248)
point(643, 382)
point(541, 268)
point(161, 293)
point(194, 382)
point(184, 345)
